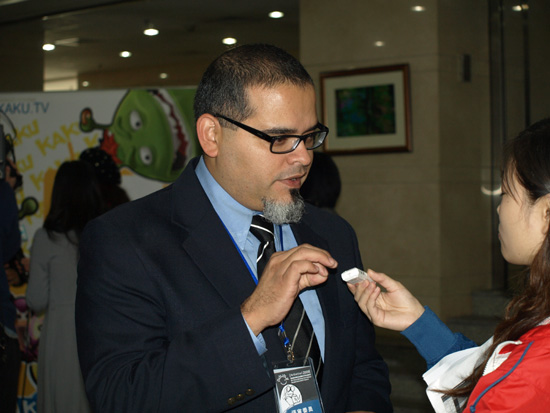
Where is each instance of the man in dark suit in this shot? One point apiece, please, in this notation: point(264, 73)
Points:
point(171, 313)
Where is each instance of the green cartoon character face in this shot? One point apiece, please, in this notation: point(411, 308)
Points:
point(152, 132)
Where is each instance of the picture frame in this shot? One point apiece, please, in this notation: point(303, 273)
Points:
point(367, 110)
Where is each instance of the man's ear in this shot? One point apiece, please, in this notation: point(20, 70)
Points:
point(208, 134)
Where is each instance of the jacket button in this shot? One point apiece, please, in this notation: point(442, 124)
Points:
point(240, 397)
point(231, 401)
point(249, 392)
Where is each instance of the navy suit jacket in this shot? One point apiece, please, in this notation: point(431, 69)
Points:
point(159, 327)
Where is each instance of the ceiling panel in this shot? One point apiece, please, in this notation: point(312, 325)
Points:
point(89, 34)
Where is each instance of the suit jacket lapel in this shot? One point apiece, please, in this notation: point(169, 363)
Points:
point(326, 292)
point(304, 234)
point(206, 240)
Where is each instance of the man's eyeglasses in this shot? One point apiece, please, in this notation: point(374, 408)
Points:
point(285, 143)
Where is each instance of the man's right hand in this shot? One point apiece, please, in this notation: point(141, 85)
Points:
point(285, 275)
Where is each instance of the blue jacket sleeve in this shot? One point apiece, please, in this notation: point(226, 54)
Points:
point(433, 339)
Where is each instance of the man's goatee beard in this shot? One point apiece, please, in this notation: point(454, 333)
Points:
point(285, 213)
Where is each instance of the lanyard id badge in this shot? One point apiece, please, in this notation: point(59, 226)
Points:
point(296, 388)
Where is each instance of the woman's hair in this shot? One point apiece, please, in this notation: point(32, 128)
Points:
point(323, 185)
point(527, 158)
point(75, 199)
point(108, 176)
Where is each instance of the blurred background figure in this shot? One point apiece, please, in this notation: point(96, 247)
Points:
point(322, 186)
point(17, 272)
point(10, 243)
point(108, 176)
point(76, 199)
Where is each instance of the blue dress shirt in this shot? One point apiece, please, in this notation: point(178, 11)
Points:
point(237, 219)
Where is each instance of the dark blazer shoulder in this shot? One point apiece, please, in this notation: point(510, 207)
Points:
point(325, 223)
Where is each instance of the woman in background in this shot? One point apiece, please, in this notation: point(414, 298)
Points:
point(108, 177)
point(52, 286)
point(323, 185)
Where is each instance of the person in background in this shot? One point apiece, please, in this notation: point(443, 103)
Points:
point(108, 177)
point(76, 199)
point(513, 375)
point(174, 311)
point(323, 185)
point(17, 271)
point(10, 243)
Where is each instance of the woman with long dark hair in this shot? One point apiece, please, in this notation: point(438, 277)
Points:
point(52, 286)
point(513, 374)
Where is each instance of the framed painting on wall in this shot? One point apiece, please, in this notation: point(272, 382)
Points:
point(367, 110)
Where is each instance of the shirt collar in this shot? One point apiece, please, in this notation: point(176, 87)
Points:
point(236, 217)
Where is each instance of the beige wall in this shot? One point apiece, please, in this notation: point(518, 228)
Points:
point(419, 216)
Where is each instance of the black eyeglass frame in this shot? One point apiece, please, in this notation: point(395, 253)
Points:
point(272, 139)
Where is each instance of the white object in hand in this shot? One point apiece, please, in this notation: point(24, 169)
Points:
point(355, 275)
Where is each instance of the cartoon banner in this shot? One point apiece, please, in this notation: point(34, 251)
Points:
point(149, 135)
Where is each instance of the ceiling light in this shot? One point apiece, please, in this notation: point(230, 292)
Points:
point(229, 40)
point(379, 43)
point(163, 75)
point(125, 54)
point(48, 47)
point(150, 30)
point(520, 7)
point(276, 14)
point(418, 8)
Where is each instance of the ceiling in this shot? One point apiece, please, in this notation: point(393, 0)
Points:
point(89, 34)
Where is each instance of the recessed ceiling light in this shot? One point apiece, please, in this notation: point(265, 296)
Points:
point(163, 75)
point(125, 54)
point(379, 43)
point(520, 7)
point(229, 40)
point(150, 30)
point(48, 47)
point(418, 8)
point(276, 14)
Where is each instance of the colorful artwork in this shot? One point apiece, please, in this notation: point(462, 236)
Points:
point(150, 137)
point(365, 111)
point(151, 132)
point(28, 327)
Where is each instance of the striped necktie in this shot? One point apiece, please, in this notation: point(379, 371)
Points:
point(297, 326)
point(263, 231)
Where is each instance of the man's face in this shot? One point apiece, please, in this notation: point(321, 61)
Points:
point(246, 168)
point(523, 225)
